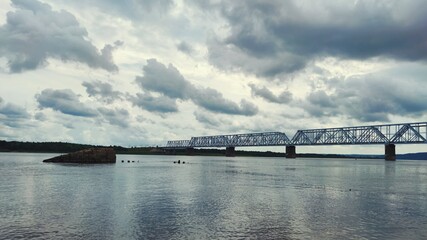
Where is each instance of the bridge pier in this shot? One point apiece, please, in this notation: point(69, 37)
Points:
point(189, 151)
point(230, 152)
point(291, 152)
point(390, 152)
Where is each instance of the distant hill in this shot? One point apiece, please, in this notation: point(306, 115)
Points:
point(413, 156)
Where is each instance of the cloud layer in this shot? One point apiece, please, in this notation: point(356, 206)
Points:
point(34, 33)
point(214, 67)
point(270, 38)
point(368, 99)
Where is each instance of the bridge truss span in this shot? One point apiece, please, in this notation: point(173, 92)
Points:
point(178, 144)
point(408, 133)
point(241, 140)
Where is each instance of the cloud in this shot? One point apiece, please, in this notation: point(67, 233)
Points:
point(34, 33)
point(169, 82)
point(166, 80)
point(129, 9)
point(270, 38)
point(12, 115)
point(208, 119)
point(102, 91)
point(64, 101)
point(185, 48)
point(118, 116)
point(40, 116)
point(265, 93)
point(214, 101)
point(161, 104)
point(368, 99)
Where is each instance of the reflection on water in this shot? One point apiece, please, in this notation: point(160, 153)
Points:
point(212, 197)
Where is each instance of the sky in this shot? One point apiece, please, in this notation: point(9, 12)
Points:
point(141, 72)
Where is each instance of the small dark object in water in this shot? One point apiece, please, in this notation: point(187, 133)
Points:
point(183, 162)
point(128, 161)
point(123, 160)
point(174, 161)
point(133, 161)
point(179, 161)
point(350, 189)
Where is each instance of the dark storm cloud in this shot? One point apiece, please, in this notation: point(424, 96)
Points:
point(169, 82)
point(369, 99)
point(34, 32)
point(269, 38)
point(102, 91)
point(265, 93)
point(12, 115)
point(161, 104)
point(118, 116)
point(64, 101)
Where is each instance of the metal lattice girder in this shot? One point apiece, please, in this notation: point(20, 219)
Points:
point(240, 140)
point(378, 134)
point(178, 144)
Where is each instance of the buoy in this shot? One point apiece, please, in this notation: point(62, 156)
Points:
point(183, 162)
point(174, 161)
point(123, 160)
point(128, 161)
point(179, 161)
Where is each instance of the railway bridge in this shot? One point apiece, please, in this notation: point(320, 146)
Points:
point(388, 135)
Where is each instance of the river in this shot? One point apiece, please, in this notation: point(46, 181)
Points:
point(212, 198)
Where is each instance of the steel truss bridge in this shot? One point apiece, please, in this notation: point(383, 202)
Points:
point(388, 134)
point(405, 133)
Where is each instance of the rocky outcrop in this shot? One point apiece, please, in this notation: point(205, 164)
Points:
point(91, 155)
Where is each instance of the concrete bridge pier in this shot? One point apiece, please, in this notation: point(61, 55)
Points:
point(230, 152)
point(189, 151)
point(291, 152)
point(390, 152)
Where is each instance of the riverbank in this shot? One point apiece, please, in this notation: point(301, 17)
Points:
point(63, 147)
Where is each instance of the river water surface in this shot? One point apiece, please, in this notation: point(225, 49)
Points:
point(212, 198)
